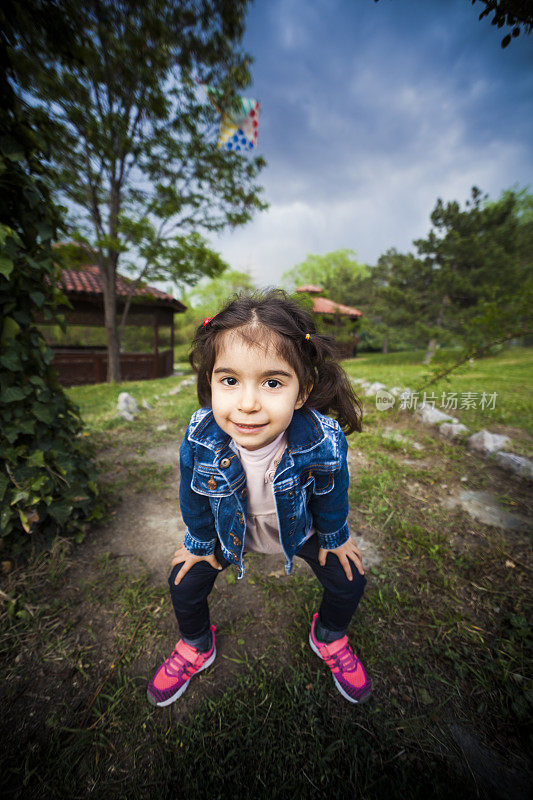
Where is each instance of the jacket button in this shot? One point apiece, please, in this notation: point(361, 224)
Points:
point(291, 494)
point(211, 483)
point(243, 493)
point(225, 463)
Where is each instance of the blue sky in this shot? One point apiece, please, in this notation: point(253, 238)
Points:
point(369, 113)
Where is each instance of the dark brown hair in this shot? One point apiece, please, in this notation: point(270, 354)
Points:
point(269, 317)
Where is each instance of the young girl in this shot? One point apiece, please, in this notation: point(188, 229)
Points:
point(264, 470)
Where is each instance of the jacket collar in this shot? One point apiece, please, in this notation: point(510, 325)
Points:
point(304, 432)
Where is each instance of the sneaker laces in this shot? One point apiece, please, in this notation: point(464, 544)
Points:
point(176, 664)
point(346, 659)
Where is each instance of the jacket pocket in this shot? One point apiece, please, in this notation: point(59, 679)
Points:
point(210, 483)
point(316, 482)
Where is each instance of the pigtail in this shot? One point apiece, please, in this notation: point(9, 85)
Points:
point(332, 390)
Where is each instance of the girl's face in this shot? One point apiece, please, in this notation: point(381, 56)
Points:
point(254, 392)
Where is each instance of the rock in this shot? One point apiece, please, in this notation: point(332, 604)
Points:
point(512, 463)
point(432, 416)
point(486, 442)
point(373, 388)
point(396, 390)
point(357, 380)
point(127, 406)
point(451, 431)
point(175, 390)
point(145, 404)
point(162, 428)
point(483, 507)
point(187, 382)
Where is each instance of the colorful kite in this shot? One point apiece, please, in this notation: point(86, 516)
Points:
point(239, 121)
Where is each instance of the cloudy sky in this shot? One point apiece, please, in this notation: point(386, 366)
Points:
point(369, 113)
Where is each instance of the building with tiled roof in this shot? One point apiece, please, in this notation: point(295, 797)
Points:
point(330, 312)
point(311, 288)
point(322, 305)
point(88, 282)
point(150, 307)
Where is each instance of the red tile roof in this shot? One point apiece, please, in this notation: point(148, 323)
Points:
point(321, 305)
point(88, 281)
point(311, 288)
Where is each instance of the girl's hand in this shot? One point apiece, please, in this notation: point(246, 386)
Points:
point(189, 560)
point(346, 551)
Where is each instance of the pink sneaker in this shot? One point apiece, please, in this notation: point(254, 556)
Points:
point(348, 673)
point(174, 674)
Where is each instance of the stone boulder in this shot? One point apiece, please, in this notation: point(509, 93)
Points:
point(451, 431)
point(374, 388)
point(127, 406)
point(512, 463)
point(485, 442)
point(432, 416)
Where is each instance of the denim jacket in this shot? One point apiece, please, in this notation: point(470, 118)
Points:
point(310, 487)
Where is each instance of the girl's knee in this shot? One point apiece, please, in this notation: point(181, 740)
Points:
point(196, 577)
point(353, 588)
point(172, 576)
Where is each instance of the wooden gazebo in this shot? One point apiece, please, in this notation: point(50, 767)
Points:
point(83, 364)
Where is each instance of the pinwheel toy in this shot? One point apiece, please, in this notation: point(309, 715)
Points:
point(239, 121)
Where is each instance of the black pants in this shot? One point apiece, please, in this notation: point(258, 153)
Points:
point(339, 599)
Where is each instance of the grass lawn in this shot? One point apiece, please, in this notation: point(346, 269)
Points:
point(442, 630)
point(508, 375)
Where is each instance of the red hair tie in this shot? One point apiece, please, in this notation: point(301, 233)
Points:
point(206, 320)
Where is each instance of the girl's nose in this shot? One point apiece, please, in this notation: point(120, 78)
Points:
point(248, 400)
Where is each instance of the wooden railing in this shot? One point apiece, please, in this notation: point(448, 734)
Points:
point(76, 367)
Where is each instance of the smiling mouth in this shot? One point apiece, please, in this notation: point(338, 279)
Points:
point(248, 426)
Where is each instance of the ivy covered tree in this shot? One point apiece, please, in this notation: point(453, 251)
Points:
point(47, 479)
point(134, 152)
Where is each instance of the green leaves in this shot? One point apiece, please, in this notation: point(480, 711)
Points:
point(45, 470)
point(12, 394)
point(6, 266)
point(10, 329)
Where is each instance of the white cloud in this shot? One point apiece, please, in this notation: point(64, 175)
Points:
point(390, 208)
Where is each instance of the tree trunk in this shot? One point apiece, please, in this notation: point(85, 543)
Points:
point(430, 352)
point(432, 344)
point(385, 348)
point(110, 310)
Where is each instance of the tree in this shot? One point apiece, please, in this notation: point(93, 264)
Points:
point(209, 297)
point(398, 303)
point(480, 260)
point(517, 14)
point(47, 478)
point(134, 153)
point(338, 273)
